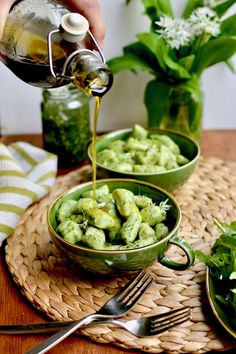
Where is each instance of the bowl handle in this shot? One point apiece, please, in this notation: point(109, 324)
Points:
point(187, 250)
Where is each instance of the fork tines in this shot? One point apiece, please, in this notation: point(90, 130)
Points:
point(135, 289)
point(170, 319)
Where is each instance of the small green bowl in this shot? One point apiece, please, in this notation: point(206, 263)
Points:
point(115, 262)
point(168, 180)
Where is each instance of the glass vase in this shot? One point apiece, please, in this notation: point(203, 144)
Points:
point(180, 110)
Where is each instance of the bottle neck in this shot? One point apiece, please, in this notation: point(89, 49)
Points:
point(88, 72)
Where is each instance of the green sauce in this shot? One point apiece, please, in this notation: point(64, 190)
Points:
point(66, 124)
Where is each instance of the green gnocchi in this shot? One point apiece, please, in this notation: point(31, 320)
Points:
point(116, 220)
point(142, 153)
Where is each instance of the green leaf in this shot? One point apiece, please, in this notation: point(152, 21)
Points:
point(215, 51)
point(160, 49)
point(232, 225)
point(187, 62)
point(156, 99)
point(156, 8)
point(140, 50)
point(136, 57)
point(230, 65)
point(176, 70)
point(128, 62)
point(222, 264)
point(222, 300)
point(155, 44)
point(190, 6)
point(228, 26)
point(192, 86)
point(228, 241)
point(222, 8)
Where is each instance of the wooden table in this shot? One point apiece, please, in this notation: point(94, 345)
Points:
point(15, 308)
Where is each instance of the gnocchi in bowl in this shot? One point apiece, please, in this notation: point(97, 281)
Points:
point(161, 157)
point(122, 226)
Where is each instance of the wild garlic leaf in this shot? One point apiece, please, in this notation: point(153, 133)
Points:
point(190, 6)
point(222, 264)
point(215, 51)
point(222, 8)
point(228, 26)
point(157, 8)
point(155, 107)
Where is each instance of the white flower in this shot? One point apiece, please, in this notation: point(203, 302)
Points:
point(179, 32)
point(176, 32)
point(204, 20)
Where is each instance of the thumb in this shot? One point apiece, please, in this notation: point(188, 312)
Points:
point(4, 10)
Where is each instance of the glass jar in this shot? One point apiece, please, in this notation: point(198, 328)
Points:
point(66, 124)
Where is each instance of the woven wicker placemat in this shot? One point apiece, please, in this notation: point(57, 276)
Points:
point(62, 292)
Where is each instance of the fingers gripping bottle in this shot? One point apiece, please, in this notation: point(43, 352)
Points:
point(47, 46)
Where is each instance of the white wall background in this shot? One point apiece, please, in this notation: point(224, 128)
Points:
point(123, 105)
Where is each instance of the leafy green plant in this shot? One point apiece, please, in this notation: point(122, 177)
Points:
point(178, 50)
point(222, 264)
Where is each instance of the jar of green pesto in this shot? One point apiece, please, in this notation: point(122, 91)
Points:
point(66, 124)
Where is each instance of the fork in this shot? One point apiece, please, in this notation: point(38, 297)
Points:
point(142, 327)
point(117, 306)
point(153, 325)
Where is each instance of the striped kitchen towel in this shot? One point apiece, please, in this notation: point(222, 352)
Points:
point(27, 173)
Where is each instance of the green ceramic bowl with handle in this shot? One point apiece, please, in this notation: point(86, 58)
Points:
point(169, 179)
point(115, 262)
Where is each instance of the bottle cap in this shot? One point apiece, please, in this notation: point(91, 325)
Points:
point(74, 26)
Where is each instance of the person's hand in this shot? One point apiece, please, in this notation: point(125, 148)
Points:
point(88, 8)
point(92, 11)
point(4, 10)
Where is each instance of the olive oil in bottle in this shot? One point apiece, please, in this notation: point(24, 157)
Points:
point(47, 46)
